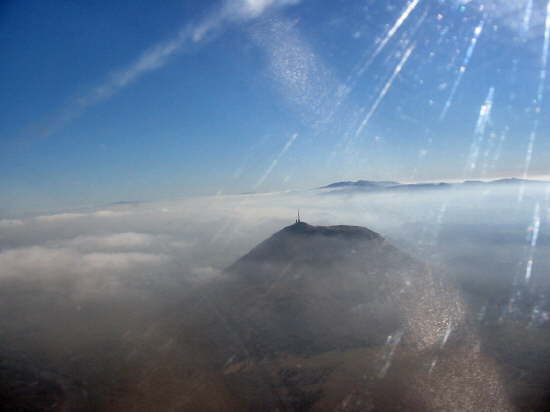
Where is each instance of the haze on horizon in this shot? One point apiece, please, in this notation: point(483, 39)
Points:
point(148, 102)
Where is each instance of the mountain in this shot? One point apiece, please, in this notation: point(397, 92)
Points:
point(26, 390)
point(322, 318)
point(314, 318)
point(302, 277)
point(361, 186)
point(26, 387)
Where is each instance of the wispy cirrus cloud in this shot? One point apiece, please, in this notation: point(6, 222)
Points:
point(248, 9)
point(159, 55)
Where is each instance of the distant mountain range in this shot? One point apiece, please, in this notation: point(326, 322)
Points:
point(388, 186)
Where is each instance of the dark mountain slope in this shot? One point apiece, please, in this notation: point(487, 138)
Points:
point(324, 296)
point(314, 288)
point(309, 289)
point(312, 319)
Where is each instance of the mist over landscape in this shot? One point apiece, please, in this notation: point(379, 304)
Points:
point(103, 302)
point(275, 205)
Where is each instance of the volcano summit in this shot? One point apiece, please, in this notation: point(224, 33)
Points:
point(320, 317)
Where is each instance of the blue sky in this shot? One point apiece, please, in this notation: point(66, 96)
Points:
point(139, 100)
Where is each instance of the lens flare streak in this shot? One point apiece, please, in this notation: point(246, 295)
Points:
point(384, 90)
point(473, 42)
point(544, 56)
point(276, 160)
point(539, 100)
point(389, 35)
point(393, 341)
point(498, 150)
point(479, 134)
point(533, 244)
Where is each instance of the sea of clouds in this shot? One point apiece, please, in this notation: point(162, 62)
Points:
point(100, 251)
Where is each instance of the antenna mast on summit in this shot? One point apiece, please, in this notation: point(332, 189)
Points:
point(298, 220)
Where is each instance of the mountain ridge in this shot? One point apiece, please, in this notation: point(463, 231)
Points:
point(389, 186)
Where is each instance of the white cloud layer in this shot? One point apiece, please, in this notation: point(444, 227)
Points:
point(112, 241)
point(111, 250)
point(87, 274)
point(9, 223)
point(62, 217)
